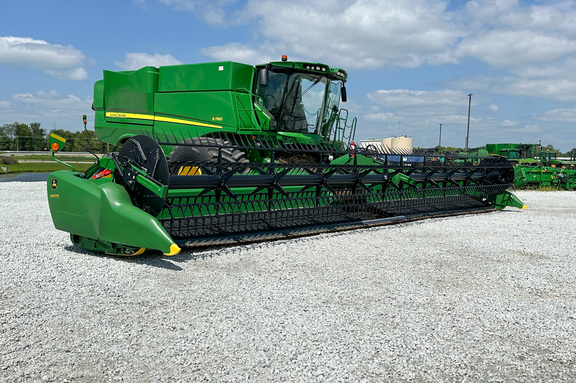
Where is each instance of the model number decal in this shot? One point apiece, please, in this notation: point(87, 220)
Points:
point(217, 118)
point(116, 115)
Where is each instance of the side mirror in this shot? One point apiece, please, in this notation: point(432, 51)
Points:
point(343, 94)
point(263, 77)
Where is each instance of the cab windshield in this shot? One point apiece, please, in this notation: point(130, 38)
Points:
point(297, 102)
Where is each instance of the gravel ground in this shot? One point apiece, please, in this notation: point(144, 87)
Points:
point(488, 297)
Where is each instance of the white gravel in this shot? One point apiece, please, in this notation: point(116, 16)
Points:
point(488, 297)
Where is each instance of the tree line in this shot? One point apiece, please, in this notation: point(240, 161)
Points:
point(31, 137)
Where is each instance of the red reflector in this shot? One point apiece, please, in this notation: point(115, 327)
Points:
point(102, 174)
point(352, 149)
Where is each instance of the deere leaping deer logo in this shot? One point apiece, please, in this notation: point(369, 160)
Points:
point(54, 183)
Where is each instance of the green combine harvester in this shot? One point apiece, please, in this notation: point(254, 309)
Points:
point(225, 152)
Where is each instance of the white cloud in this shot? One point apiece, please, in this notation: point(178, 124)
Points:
point(50, 98)
point(49, 108)
point(184, 5)
point(565, 115)
point(419, 113)
point(529, 41)
point(531, 45)
point(237, 52)
point(413, 33)
point(512, 49)
point(532, 128)
point(561, 89)
point(137, 60)
point(431, 102)
point(212, 11)
point(63, 62)
point(534, 43)
point(357, 34)
point(385, 117)
point(42, 105)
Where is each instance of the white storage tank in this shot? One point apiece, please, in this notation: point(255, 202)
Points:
point(402, 144)
point(387, 144)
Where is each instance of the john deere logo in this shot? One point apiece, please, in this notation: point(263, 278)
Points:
point(54, 183)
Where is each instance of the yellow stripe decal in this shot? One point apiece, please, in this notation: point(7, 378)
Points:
point(57, 137)
point(158, 118)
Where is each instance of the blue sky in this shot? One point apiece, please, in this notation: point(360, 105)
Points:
point(411, 63)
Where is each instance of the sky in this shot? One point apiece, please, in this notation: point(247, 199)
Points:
point(411, 64)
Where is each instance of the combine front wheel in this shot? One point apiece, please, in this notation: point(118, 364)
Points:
point(206, 153)
point(145, 153)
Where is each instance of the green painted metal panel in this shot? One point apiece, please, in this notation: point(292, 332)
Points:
point(102, 210)
point(190, 110)
point(98, 98)
point(226, 75)
point(131, 92)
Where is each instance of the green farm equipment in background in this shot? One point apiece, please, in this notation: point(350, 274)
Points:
point(227, 152)
point(535, 167)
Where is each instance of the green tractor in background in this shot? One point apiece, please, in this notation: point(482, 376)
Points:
point(535, 167)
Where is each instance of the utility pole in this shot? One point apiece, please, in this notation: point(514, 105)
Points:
point(440, 137)
point(468, 128)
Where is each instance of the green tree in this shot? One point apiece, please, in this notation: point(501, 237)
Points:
point(86, 141)
point(6, 136)
point(18, 136)
point(551, 149)
point(22, 136)
point(38, 136)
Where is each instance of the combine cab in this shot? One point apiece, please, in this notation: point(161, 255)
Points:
point(226, 153)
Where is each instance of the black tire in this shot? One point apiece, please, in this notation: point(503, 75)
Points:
point(205, 153)
point(147, 153)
